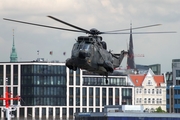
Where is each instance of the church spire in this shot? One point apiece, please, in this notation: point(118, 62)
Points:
point(130, 59)
point(13, 56)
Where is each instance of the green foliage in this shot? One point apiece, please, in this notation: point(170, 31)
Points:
point(159, 110)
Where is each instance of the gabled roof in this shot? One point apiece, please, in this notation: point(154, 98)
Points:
point(159, 79)
point(137, 79)
point(150, 73)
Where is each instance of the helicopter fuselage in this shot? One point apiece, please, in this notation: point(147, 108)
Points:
point(89, 53)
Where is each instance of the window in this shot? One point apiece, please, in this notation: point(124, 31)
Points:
point(103, 101)
point(78, 101)
point(116, 91)
point(149, 91)
point(144, 91)
point(71, 80)
point(77, 80)
point(140, 90)
point(149, 100)
point(84, 90)
point(152, 91)
point(70, 101)
point(160, 91)
point(137, 100)
point(90, 91)
point(90, 101)
point(149, 82)
point(84, 101)
point(84, 110)
point(177, 75)
point(157, 91)
point(144, 100)
point(97, 101)
point(160, 100)
point(157, 100)
point(137, 90)
point(97, 92)
point(70, 111)
point(71, 91)
point(77, 91)
point(110, 92)
point(97, 109)
point(153, 101)
point(103, 91)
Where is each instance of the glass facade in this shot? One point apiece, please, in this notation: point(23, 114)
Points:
point(96, 81)
point(173, 99)
point(156, 68)
point(126, 96)
point(43, 85)
point(1, 75)
point(43, 88)
point(177, 77)
point(169, 78)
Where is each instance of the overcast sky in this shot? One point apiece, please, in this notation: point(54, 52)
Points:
point(103, 15)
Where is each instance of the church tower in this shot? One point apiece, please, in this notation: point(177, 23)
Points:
point(130, 59)
point(13, 56)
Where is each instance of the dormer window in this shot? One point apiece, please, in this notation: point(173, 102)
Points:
point(149, 82)
point(136, 81)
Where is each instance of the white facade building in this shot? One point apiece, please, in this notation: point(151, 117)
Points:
point(149, 91)
point(51, 90)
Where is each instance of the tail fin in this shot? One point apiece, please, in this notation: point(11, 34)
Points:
point(118, 58)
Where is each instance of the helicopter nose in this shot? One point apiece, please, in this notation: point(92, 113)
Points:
point(83, 54)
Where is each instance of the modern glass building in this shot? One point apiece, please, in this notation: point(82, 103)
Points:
point(173, 89)
point(156, 68)
point(176, 71)
point(169, 78)
point(173, 99)
point(51, 90)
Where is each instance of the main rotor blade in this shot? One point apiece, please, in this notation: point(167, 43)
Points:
point(134, 28)
point(43, 25)
point(87, 31)
point(139, 32)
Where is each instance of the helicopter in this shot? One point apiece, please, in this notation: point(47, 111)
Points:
point(90, 52)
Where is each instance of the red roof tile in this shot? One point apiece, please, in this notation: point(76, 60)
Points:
point(137, 79)
point(159, 79)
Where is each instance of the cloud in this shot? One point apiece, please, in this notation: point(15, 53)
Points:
point(104, 15)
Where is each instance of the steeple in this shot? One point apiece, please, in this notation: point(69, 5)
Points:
point(130, 59)
point(13, 56)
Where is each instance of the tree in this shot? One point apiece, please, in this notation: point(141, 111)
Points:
point(159, 110)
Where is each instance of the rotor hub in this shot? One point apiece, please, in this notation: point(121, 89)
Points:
point(94, 31)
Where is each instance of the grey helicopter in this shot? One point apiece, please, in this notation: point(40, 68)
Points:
point(90, 52)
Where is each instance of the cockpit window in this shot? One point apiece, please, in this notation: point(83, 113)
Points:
point(75, 46)
point(84, 46)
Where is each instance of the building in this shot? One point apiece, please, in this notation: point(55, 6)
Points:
point(126, 116)
point(125, 112)
point(173, 89)
point(51, 90)
point(176, 71)
point(156, 68)
point(169, 78)
point(149, 91)
point(173, 99)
